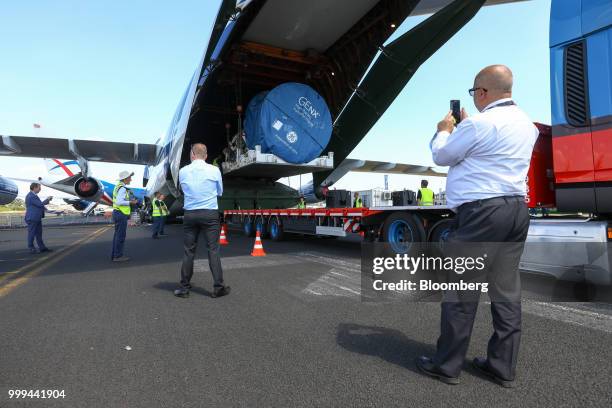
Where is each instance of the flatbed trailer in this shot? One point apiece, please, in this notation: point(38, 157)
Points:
point(393, 224)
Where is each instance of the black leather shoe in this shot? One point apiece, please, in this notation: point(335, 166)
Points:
point(34, 251)
point(482, 366)
point(224, 291)
point(181, 292)
point(187, 286)
point(426, 366)
point(46, 250)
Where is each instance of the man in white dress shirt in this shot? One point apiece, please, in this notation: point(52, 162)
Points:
point(489, 156)
point(201, 184)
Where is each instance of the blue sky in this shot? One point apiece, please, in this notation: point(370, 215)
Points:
point(115, 70)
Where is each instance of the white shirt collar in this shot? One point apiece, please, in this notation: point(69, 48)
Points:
point(497, 102)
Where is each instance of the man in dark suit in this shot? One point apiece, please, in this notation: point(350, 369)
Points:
point(35, 212)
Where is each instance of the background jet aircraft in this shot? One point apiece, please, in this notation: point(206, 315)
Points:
point(338, 48)
point(65, 176)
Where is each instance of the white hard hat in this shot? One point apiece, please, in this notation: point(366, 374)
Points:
point(125, 174)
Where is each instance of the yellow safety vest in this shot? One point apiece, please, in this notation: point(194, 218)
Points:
point(164, 208)
point(160, 211)
point(427, 196)
point(301, 204)
point(358, 202)
point(125, 209)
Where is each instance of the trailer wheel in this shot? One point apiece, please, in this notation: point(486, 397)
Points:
point(400, 230)
point(248, 228)
point(276, 230)
point(262, 226)
point(440, 230)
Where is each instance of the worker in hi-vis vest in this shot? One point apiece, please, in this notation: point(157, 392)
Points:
point(121, 214)
point(301, 203)
point(425, 195)
point(159, 214)
point(358, 203)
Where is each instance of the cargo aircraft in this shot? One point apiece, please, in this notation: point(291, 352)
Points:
point(339, 49)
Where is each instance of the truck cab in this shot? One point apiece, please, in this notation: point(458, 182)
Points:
point(581, 95)
point(571, 169)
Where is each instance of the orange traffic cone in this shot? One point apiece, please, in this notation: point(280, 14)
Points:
point(223, 239)
point(258, 248)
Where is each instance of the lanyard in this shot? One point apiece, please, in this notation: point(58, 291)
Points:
point(507, 103)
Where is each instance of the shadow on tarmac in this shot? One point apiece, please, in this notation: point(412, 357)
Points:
point(171, 286)
point(390, 345)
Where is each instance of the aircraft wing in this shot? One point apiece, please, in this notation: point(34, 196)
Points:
point(371, 166)
point(65, 186)
point(90, 150)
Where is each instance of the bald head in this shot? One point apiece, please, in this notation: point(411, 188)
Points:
point(495, 78)
point(492, 83)
point(198, 151)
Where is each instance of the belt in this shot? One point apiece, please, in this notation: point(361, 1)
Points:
point(492, 201)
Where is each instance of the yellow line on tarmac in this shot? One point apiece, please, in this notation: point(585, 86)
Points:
point(29, 271)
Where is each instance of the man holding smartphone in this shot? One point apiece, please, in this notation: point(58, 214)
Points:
point(489, 156)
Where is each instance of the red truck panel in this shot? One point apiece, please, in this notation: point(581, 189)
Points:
point(573, 158)
point(602, 154)
point(540, 178)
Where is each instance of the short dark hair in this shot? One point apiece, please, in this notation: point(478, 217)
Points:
point(199, 150)
point(424, 183)
point(34, 185)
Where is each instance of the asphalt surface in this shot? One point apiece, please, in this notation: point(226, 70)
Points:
point(293, 332)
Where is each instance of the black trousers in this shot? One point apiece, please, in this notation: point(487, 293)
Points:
point(499, 226)
point(207, 222)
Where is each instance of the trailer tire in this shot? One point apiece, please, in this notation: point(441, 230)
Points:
point(262, 226)
point(400, 230)
point(275, 230)
point(248, 228)
point(439, 231)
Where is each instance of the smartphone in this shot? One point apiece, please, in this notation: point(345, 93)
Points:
point(455, 106)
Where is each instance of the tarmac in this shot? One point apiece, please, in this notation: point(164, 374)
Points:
point(294, 331)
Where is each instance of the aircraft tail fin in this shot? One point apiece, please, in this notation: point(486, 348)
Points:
point(62, 168)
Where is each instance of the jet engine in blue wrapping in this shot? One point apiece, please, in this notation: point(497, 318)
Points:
point(291, 121)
